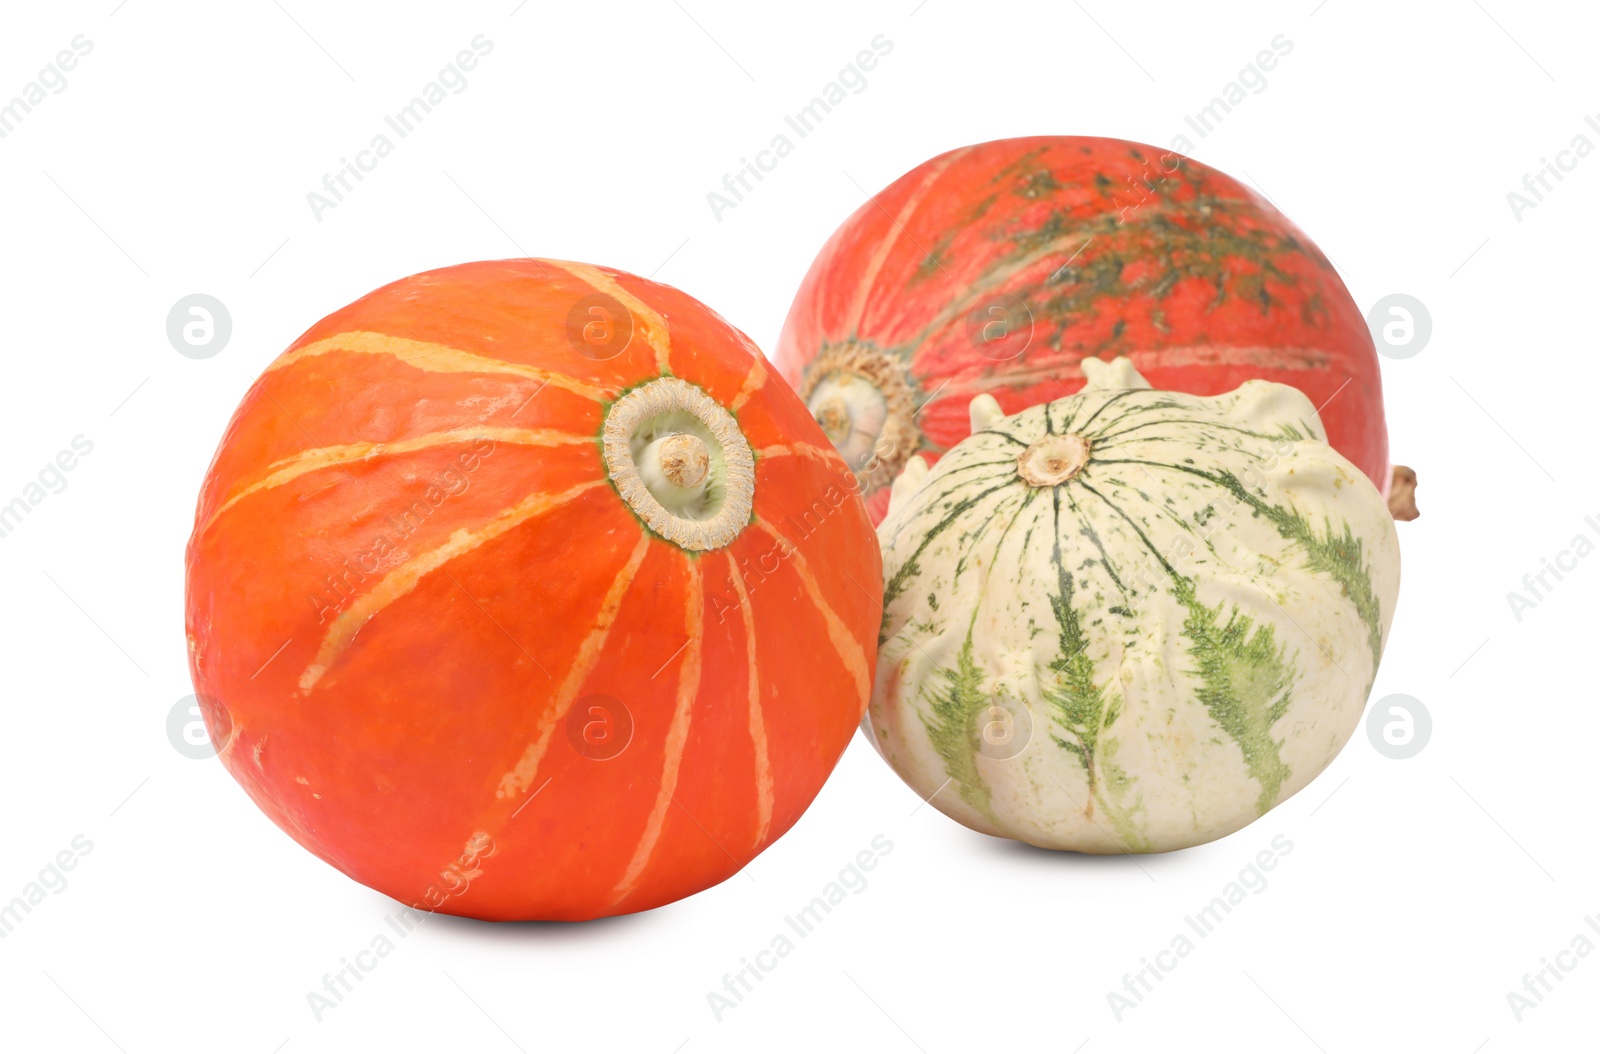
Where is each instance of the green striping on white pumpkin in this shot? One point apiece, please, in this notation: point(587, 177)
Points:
point(1187, 596)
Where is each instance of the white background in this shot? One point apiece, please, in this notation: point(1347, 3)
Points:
point(177, 160)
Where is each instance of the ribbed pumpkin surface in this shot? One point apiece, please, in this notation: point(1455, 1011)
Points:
point(415, 595)
point(999, 267)
point(1131, 620)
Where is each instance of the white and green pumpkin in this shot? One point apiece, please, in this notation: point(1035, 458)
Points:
point(1129, 620)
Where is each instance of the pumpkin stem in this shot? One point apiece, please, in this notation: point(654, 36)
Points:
point(1053, 460)
point(1403, 494)
point(834, 415)
point(680, 459)
point(862, 400)
point(680, 462)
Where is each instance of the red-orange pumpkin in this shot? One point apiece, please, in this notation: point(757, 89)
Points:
point(448, 636)
point(999, 267)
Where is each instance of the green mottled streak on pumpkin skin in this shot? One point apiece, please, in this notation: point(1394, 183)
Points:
point(933, 263)
point(1079, 702)
point(1245, 681)
point(1082, 707)
point(956, 701)
point(1199, 236)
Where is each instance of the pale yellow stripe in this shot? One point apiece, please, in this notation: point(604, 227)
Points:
point(758, 725)
point(752, 383)
point(880, 253)
point(289, 469)
point(829, 457)
point(650, 325)
point(438, 358)
point(845, 645)
point(521, 777)
point(677, 732)
point(404, 579)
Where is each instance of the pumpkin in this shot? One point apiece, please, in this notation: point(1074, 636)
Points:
point(999, 267)
point(523, 590)
point(1129, 620)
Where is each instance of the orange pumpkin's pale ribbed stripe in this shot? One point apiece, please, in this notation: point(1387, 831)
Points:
point(752, 383)
point(758, 724)
point(654, 327)
point(677, 732)
point(521, 777)
point(404, 579)
point(847, 647)
point(828, 457)
point(437, 358)
point(880, 253)
point(288, 469)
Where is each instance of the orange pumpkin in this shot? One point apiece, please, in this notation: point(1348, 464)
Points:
point(525, 590)
point(998, 268)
